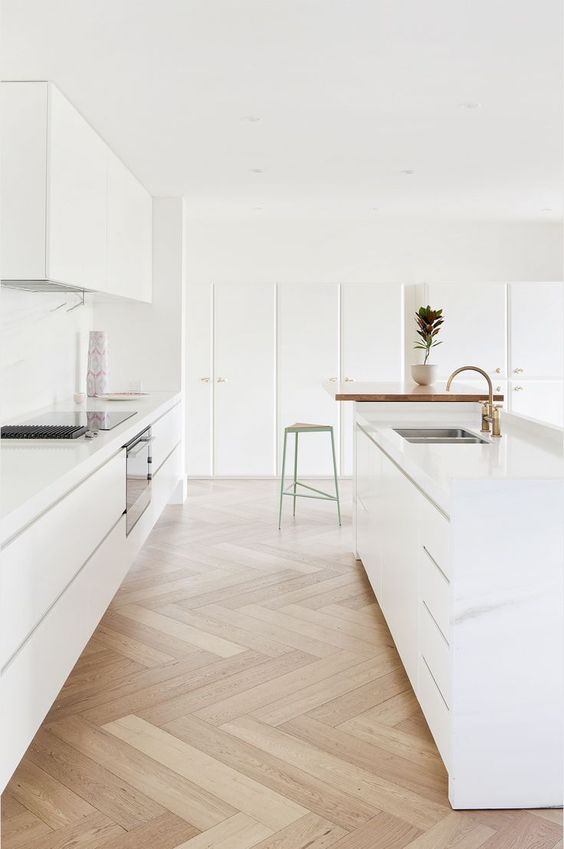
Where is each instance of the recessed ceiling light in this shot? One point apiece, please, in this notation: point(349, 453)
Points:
point(251, 119)
point(257, 170)
point(258, 208)
point(546, 209)
point(407, 172)
point(374, 209)
point(469, 104)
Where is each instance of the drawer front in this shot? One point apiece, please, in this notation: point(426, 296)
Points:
point(39, 563)
point(435, 651)
point(435, 533)
point(435, 592)
point(435, 710)
point(166, 433)
point(31, 681)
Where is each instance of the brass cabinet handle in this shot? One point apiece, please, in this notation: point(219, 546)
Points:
point(204, 380)
point(332, 380)
point(222, 380)
point(518, 370)
point(498, 371)
point(349, 379)
point(498, 389)
point(517, 388)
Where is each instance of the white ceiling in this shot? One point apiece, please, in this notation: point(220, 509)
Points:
point(349, 94)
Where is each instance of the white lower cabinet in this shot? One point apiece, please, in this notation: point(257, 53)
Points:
point(58, 576)
point(40, 562)
point(30, 682)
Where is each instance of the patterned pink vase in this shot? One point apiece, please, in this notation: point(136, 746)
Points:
point(98, 375)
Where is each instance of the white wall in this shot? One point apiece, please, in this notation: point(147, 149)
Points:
point(265, 249)
point(43, 349)
point(146, 340)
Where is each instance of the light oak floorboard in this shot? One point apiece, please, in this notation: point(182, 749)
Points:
point(243, 692)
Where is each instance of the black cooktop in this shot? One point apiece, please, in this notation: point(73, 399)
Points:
point(64, 425)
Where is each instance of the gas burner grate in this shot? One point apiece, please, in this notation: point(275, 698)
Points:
point(42, 431)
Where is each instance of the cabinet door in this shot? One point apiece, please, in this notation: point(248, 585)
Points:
point(368, 509)
point(244, 388)
point(76, 217)
point(474, 332)
point(371, 345)
point(23, 179)
point(536, 330)
point(308, 336)
point(130, 217)
point(539, 399)
point(199, 381)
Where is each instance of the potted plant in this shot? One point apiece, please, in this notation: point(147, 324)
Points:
point(429, 323)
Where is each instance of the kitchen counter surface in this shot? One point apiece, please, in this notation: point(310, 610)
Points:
point(406, 391)
point(527, 451)
point(36, 474)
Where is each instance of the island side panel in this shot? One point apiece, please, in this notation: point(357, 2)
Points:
point(506, 644)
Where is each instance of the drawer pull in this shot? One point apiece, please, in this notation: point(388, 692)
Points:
point(430, 556)
point(434, 681)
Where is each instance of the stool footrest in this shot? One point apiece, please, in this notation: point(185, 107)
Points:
point(321, 494)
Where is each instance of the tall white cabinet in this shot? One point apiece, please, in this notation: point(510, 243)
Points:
point(244, 393)
point(257, 358)
point(514, 331)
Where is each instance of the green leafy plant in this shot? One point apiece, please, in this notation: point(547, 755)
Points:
point(429, 323)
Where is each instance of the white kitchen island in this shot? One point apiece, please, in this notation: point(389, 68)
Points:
point(464, 547)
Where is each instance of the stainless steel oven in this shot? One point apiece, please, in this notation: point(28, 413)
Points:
point(138, 478)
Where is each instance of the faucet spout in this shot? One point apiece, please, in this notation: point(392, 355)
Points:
point(488, 408)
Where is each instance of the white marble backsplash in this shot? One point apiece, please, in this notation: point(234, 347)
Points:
point(43, 349)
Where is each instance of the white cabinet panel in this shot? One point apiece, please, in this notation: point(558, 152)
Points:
point(76, 220)
point(474, 332)
point(368, 509)
point(244, 387)
point(308, 336)
point(399, 510)
point(72, 213)
point(539, 399)
point(536, 313)
point(129, 234)
point(199, 379)
point(23, 180)
point(371, 345)
point(39, 563)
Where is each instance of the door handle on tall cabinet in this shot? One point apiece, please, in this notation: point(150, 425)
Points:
point(222, 380)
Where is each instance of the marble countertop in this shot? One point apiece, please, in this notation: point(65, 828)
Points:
point(406, 391)
point(35, 474)
point(526, 451)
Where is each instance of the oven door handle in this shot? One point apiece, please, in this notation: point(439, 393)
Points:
point(141, 445)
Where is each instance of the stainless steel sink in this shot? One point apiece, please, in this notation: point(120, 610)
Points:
point(440, 436)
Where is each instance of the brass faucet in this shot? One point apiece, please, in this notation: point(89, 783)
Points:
point(490, 414)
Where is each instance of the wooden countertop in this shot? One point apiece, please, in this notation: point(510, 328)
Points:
point(407, 391)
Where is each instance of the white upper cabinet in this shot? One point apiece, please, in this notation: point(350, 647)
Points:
point(542, 400)
point(72, 213)
point(536, 312)
point(76, 198)
point(371, 345)
point(308, 337)
point(130, 215)
point(244, 380)
point(474, 332)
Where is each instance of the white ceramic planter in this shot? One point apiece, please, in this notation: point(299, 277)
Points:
point(424, 375)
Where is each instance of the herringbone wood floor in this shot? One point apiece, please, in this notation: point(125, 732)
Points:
point(243, 691)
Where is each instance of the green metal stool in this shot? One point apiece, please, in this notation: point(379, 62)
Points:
point(302, 427)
